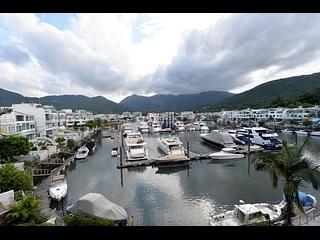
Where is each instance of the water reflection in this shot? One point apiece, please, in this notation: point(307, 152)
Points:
point(171, 196)
point(171, 170)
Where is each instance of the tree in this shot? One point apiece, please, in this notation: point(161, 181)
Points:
point(294, 169)
point(71, 143)
point(99, 122)
point(13, 179)
point(306, 123)
point(80, 220)
point(61, 142)
point(14, 146)
point(91, 124)
point(25, 211)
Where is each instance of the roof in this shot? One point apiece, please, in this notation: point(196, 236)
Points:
point(247, 208)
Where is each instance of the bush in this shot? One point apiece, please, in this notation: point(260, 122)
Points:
point(13, 179)
point(80, 220)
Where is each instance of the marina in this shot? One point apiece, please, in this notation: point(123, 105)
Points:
point(177, 195)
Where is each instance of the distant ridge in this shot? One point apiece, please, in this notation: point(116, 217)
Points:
point(262, 95)
point(182, 102)
point(97, 104)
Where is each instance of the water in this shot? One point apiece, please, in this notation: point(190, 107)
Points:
point(176, 196)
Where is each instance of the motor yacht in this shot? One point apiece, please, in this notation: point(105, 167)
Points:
point(154, 127)
point(58, 188)
point(218, 138)
point(302, 133)
point(82, 153)
point(136, 147)
point(126, 128)
point(226, 153)
point(143, 127)
point(315, 133)
point(179, 126)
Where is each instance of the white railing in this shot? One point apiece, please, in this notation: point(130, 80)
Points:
point(310, 215)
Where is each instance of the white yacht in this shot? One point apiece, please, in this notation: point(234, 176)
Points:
point(315, 133)
point(302, 133)
point(286, 130)
point(218, 138)
point(201, 126)
point(126, 128)
point(179, 126)
point(136, 147)
point(82, 153)
point(263, 137)
point(58, 187)
point(143, 127)
point(114, 152)
point(171, 145)
point(226, 153)
point(247, 214)
point(154, 127)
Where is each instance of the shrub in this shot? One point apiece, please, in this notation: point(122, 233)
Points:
point(80, 220)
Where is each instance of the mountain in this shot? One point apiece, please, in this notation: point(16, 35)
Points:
point(262, 95)
point(97, 104)
point(7, 98)
point(183, 102)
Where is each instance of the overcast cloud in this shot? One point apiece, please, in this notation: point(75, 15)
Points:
point(115, 55)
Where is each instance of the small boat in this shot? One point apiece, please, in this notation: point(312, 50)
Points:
point(226, 153)
point(154, 127)
point(58, 188)
point(165, 130)
point(287, 130)
point(302, 133)
point(126, 128)
point(178, 126)
point(315, 133)
point(247, 214)
point(143, 127)
point(218, 138)
point(82, 153)
point(114, 152)
point(201, 126)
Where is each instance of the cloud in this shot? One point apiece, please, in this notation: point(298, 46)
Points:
point(115, 55)
point(224, 56)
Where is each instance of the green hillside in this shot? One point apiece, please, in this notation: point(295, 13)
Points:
point(262, 95)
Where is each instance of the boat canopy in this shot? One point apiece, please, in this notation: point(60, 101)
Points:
point(305, 199)
point(96, 205)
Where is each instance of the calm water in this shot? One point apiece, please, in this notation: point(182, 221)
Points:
point(176, 196)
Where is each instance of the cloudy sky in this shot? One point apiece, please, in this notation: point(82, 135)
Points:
point(116, 55)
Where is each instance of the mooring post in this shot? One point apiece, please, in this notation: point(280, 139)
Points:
point(188, 150)
point(296, 137)
point(121, 175)
point(121, 156)
point(248, 141)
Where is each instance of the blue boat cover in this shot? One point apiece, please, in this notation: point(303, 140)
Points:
point(305, 199)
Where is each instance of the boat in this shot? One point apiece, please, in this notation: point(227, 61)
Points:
point(174, 152)
point(165, 130)
point(302, 133)
point(91, 146)
point(126, 128)
point(154, 127)
point(114, 152)
point(263, 137)
point(136, 147)
point(218, 138)
point(178, 126)
point(58, 187)
point(239, 138)
point(307, 200)
point(97, 205)
point(286, 130)
point(226, 153)
point(315, 133)
point(143, 127)
point(201, 126)
point(247, 214)
point(82, 153)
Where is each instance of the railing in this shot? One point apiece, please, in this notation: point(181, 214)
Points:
point(41, 172)
point(310, 215)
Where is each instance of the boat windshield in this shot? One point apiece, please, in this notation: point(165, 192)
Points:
point(240, 215)
point(136, 147)
point(255, 215)
point(57, 183)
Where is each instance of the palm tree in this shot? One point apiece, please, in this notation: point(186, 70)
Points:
point(294, 169)
point(25, 211)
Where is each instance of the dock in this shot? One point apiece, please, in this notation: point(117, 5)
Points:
point(41, 191)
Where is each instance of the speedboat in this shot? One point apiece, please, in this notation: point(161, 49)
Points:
point(179, 126)
point(58, 187)
point(315, 133)
point(247, 214)
point(136, 147)
point(219, 139)
point(239, 138)
point(114, 152)
point(302, 133)
point(226, 153)
point(143, 127)
point(82, 153)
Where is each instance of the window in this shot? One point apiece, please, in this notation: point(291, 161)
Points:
point(19, 118)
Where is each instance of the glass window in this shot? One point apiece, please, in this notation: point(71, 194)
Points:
point(19, 118)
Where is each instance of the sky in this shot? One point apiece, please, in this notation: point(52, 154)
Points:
point(116, 55)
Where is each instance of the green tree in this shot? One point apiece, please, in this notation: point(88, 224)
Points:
point(306, 123)
point(80, 220)
point(99, 122)
point(294, 169)
point(71, 143)
point(14, 146)
point(61, 142)
point(91, 124)
point(25, 211)
point(13, 179)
